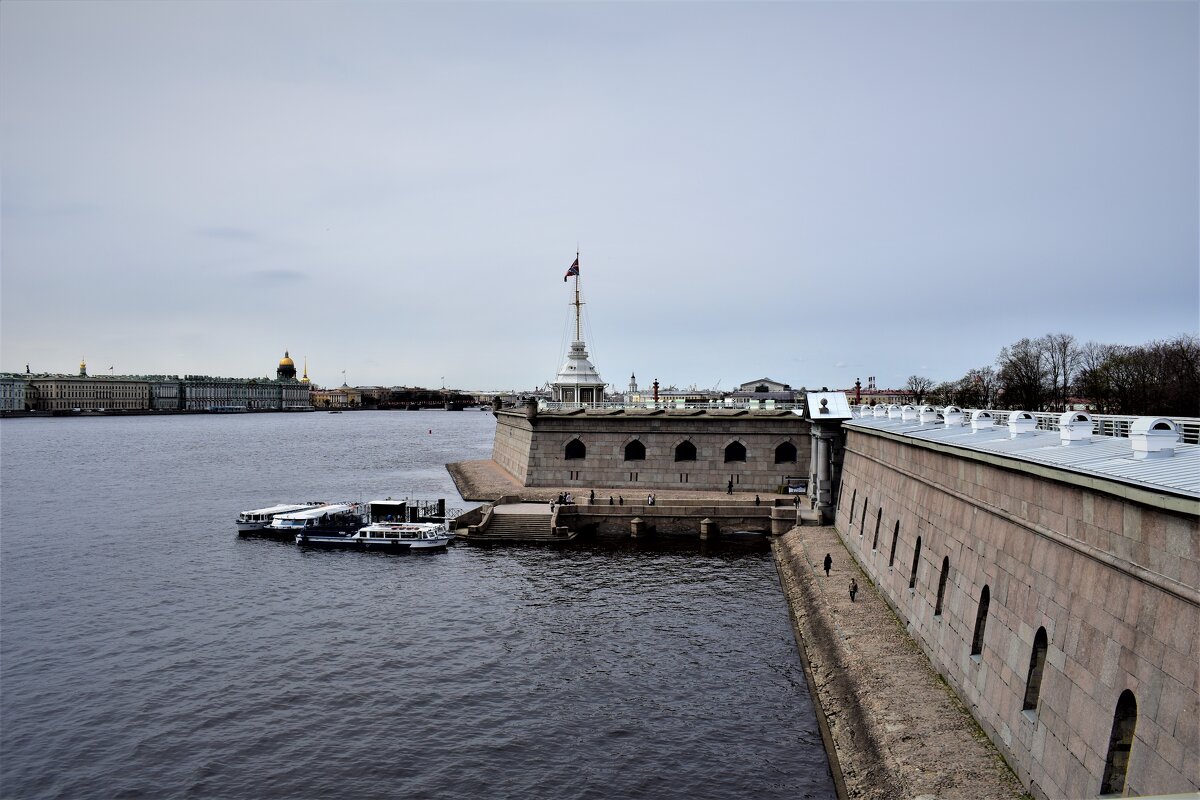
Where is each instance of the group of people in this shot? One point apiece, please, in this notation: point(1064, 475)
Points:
point(828, 564)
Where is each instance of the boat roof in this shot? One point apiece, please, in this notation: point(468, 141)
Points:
point(280, 509)
point(319, 511)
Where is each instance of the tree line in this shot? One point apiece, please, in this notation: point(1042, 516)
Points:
point(1056, 372)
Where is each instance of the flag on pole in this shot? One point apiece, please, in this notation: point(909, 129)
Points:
point(574, 270)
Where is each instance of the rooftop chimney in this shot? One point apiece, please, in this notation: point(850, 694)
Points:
point(1021, 423)
point(1075, 428)
point(953, 416)
point(982, 421)
point(1153, 437)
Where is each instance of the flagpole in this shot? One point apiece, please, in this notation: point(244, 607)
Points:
point(578, 331)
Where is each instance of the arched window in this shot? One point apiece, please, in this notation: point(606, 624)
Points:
point(635, 451)
point(878, 519)
point(912, 578)
point(685, 451)
point(985, 598)
point(1037, 661)
point(853, 500)
point(735, 451)
point(1119, 744)
point(785, 453)
point(575, 449)
point(937, 609)
point(895, 539)
point(862, 522)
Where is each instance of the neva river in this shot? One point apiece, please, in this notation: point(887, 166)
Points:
point(148, 652)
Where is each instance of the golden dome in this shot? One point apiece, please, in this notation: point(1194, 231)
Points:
point(286, 361)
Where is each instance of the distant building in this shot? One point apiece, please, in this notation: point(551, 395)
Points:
point(68, 392)
point(12, 393)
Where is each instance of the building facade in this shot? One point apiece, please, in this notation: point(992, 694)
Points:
point(12, 393)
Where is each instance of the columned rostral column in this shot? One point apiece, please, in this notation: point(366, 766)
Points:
point(825, 410)
point(578, 382)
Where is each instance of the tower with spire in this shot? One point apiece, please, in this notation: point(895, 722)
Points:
point(577, 382)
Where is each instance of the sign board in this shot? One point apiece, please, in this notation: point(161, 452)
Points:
point(796, 485)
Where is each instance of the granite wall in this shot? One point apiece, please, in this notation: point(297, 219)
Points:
point(533, 448)
point(1108, 572)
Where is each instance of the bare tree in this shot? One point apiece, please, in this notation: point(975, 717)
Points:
point(1022, 375)
point(1062, 358)
point(919, 386)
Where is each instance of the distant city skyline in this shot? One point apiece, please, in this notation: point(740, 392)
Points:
point(812, 192)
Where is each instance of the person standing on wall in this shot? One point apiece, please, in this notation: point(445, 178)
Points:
point(730, 489)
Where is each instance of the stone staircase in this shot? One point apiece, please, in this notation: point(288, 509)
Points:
point(517, 527)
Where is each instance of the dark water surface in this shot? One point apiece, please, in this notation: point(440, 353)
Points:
point(147, 651)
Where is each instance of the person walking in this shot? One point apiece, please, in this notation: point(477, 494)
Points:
point(610, 499)
point(853, 589)
point(757, 501)
point(828, 563)
point(730, 489)
point(592, 498)
point(620, 500)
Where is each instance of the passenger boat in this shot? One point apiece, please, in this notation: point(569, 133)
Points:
point(334, 519)
point(394, 536)
point(258, 519)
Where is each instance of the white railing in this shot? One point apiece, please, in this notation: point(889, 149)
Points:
point(1102, 424)
point(674, 405)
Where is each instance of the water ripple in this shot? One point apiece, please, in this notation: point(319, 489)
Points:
point(147, 652)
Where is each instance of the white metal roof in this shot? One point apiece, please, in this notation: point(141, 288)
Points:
point(319, 511)
point(1104, 456)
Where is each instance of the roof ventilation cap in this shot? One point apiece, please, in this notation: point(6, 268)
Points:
point(1021, 423)
point(864, 410)
point(953, 416)
point(1153, 437)
point(1075, 428)
point(927, 414)
point(893, 411)
point(881, 410)
point(908, 413)
point(981, 421)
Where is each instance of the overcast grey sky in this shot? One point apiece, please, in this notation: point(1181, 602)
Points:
point(808, 191)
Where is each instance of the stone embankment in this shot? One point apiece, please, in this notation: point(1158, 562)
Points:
point(895, 727)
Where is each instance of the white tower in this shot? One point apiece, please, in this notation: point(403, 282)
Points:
point(578, 382)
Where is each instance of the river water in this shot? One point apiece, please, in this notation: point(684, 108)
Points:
point(146, 651)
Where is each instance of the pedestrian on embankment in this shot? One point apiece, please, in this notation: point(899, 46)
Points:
point(592, 498)
point(853, 589)
point(828, 563)
point(730, 489)
point(757, 502)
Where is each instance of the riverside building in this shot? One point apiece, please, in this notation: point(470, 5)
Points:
point(84, 392)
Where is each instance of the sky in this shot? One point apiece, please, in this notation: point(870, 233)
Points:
point(392, 192)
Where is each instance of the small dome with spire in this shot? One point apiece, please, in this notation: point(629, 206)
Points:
point(305, 378)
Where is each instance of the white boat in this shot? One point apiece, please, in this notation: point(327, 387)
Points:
point(395, 536)
point(333, 520)
point(258, 519)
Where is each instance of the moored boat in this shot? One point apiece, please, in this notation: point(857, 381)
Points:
point(394, 536)
point(257, 520)
point(332, 520)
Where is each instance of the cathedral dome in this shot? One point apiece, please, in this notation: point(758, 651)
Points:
point(287, 368)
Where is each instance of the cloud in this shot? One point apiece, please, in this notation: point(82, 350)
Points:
point(229, 234)
point(280, 276)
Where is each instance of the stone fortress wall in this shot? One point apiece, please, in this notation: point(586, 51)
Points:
point(1095, 579)
point(533, 448)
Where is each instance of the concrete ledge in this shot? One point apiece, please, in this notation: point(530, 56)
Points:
point(897, 731)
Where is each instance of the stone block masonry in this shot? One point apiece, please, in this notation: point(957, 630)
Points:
point(646, 450)
point(1063, 612)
